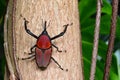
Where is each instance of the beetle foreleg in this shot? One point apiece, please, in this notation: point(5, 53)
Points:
point(57, 63)
point(27, 30)
point(62, 33)
point(56, 48)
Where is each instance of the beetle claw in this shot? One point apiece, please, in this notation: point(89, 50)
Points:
point(26, 20)
point(66, 70)
point(59, 50)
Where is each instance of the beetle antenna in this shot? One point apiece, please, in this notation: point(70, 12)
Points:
point(48, 24)
point(42, 23)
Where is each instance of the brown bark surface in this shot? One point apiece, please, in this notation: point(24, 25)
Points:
point(58, 13)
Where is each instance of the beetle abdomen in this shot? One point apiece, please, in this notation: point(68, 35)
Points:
point(43, 57)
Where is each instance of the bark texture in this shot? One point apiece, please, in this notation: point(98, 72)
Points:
point(58, 13)
point(111, 39)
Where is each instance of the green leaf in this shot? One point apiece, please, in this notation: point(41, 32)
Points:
point(107, 9)
point(87, 9)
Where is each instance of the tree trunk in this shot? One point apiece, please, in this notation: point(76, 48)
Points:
point(58, 13)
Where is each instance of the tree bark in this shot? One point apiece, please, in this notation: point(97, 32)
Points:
point(111, 39)
point(58, 13)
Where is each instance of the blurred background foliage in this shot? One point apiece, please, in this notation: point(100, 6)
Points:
point(87, 10)
point(3, 5)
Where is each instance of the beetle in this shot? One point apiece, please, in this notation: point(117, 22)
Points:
point(43, 48)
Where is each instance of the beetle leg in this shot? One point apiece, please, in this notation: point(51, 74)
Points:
point(62, 33)
point(56, 48)
point(27, 30)
point(31, 49)
point(57, 63)
point(29, 57)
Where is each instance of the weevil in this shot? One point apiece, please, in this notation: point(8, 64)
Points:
point(43, 48)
